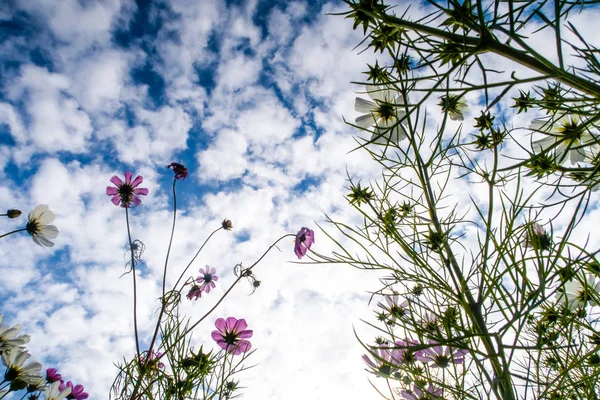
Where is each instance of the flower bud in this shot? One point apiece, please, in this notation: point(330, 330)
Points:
point(13, 213)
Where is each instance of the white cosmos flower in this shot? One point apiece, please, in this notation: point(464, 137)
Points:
point(575, 140)
point(382, 111)
point(52, 392)
point(455, 106)
point(14, 360)
point(578, 291)
point(10, 338)
point(38, 227)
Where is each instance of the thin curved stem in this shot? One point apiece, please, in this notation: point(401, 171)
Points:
point(135, 325)
point(15, 231)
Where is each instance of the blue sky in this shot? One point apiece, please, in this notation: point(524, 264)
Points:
point(250, 96)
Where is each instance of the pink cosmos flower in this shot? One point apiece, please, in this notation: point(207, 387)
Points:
point(52, 375)
point(126, 192)
point(304, 239)
point(440, 356)
point(231, 335)
point(180, 171)
point(418, 393)
point(77, 392)
point(195, 292)
point(207, 279)
point(385, 361)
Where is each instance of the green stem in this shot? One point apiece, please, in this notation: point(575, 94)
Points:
point(15, 231)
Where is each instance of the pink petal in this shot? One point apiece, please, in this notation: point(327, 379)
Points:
point(202, 271)
point(246, 334)
point(230, 323)
point(244, 346)
point(216, 335)
point(215, 278)
point(220, 325)
point(116, 180)
point(128, 176)
point(116, 200)
point(141, 191)
point(136, 200)
point(241, 325)
point(138, 179)
point(111, 190)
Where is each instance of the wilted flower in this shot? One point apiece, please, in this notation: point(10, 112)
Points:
point(454, 105)
point(419, 394)
point(14, 360)
point(441, 357)
point(77, 391)
point(536, 238)
point(570, 135)
point(126, 192)
point(38, 227)
point(579, 290)
point(52, 375)
point(394, 308)
point(180, 171)
point(304, 239)
point(195, 292)
point(10, 338)
point(231, 335)
point(227, 224)
point(383, 112)
point(207, 279)
point(54, 392)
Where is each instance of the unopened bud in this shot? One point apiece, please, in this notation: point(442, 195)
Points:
point(13, 213)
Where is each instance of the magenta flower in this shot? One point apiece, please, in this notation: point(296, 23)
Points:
point(126, 192)
point(304, 239)
point(231, 335)
point(195, 292)
point(180, 171)
point(52, 375)
point(441, 357)
point(207, 279)
point(418, 393)
point(77, 392)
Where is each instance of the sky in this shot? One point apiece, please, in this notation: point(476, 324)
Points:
point(251, 96)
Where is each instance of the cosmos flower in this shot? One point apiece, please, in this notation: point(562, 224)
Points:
point(454, 105)
point(383, 111)
point(572, 138)
point(579, 290)
point(536, 238)
point(231, 335)
point(10, 338)
point(52, 375)
point(441, 356)
point(384, 362)
point(207, 279)
point(180, 171)
point(126, 192)
point(54, 392)
point(37, 226)
point(195, 292)
point(304, 239)
point(16, 370)
point(419, 394)
point(394, 308)
point(77, 391)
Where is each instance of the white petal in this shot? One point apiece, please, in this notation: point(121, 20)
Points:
point(48, 231)
point(364, 106)
point(365, 121)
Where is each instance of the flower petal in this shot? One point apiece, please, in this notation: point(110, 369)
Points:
point(116, 180)
point(111, 190)
point(138, 179)
point(128, 176)
point(364, 106)
point(365, 121)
